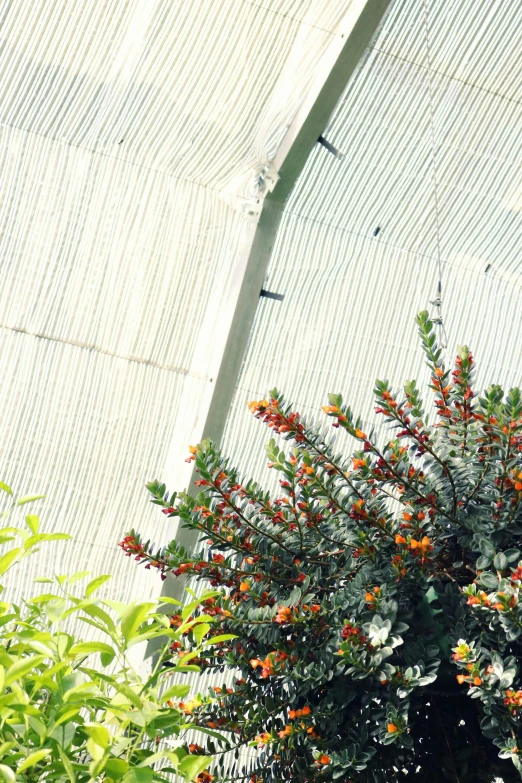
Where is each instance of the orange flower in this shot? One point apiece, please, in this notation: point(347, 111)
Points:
point(477, 681)
point(263, 739)
point(284, 615)
point(306, 710)
point(285, 733)
point(370, 598)
point(407, 516)
point(315, 608)
point(244, 587)
point(330, 409)
point(358, 463)
point(360, 434)
point(439, 372)
point(392, 728)
point(400, 539)
point(323, 760)
point(292, 714)
point(377, 590)
point(255, 662)
point(461, 678)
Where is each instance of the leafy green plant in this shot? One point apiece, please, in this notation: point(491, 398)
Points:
point(377, 599)
point(76, 710)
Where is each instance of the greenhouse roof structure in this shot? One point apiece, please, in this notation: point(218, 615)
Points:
point(161, 166)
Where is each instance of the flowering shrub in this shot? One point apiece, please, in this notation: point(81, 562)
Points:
point(376, 601)
point(76, 711)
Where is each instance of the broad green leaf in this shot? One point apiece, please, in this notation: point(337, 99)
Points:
point(33, 759)
point(86, 648)
point(176, 692)
point(96, 583)
point(68, 767)
point(166, 600)
point(44, 598)
point(7, 559)
point(6, 537)
point(191, 766)
point(199, 631)
point(39, 537)
point(138, 775)
point(7, 774)
point(223, 637)
point(116, 768)
point(64, 734)
point(28, 499)
point(5, 747)
point(2, 677)
point(100, 614)
point(78, 576)
point(127, 691)
point(189, 608)
point(6, 488)
point(133, 617)
point(70, 712)
point(32, 522)
point(19, 669)
point(55, 609)
point(99, 734)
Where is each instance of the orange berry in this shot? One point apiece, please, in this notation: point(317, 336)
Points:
point(392, 728)
point(306, 710)
point(244, 587)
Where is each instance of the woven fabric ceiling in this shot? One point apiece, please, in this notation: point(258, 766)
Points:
point(429, 188)
point(132, 139)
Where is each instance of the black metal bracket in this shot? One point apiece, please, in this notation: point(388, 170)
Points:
point(270, 295)
point(330, 147)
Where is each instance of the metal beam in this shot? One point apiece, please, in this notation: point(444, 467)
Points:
point(334, 72)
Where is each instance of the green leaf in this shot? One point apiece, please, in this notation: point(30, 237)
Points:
point(191, 766)
point(132, 618)
point(86, 648)
point(7, 774)
point(28, 499)
point(34, 758)
point(68, 767)
point(39, 537)
point(6, 488)
point(116, 768)
point(77, 577)
point(199, 631)
point(223, 637)
point(19, 669)
point(500, 561)
point(99, 734)
point(138, 775)
point(55, 609)
point(96, 583)
point(7, 559)
point(32, 522)
point(176, 691)
point(64, 734)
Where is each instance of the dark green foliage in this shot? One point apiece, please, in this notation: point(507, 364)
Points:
point(376, 601)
